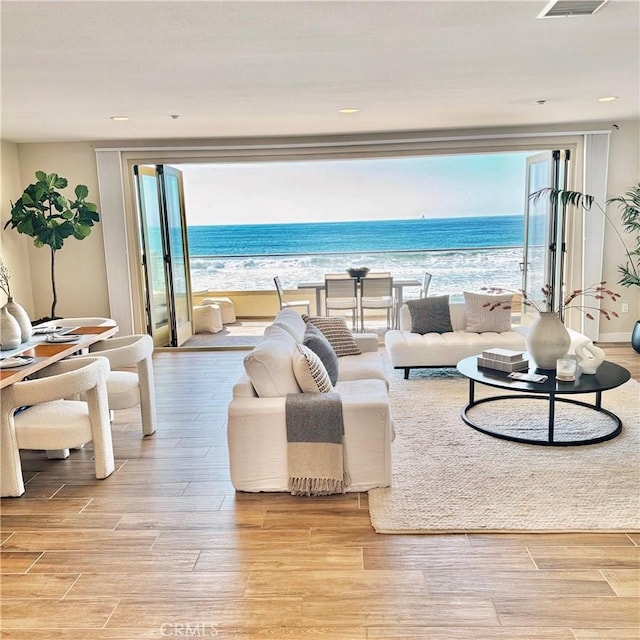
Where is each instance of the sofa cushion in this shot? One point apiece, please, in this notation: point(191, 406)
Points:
point(337, 333)
point(309, 371)
point(486, 312)
point(430, 315)
point(367, 366)
point(269, 367)
point(315, 340)
point(292, 321)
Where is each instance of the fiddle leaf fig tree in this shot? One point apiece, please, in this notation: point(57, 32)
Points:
point(49, 217)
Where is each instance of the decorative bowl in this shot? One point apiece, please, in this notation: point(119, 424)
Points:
point(358, 272)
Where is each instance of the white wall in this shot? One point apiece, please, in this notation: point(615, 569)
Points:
point(14, 248)
point(624, 172)
point(80, 267)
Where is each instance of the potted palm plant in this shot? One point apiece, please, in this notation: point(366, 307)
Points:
point(629, 206)
point(47, 216)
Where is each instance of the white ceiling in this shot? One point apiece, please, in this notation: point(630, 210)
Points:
point(247, 68)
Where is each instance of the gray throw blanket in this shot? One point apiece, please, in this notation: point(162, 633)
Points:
point(315, 434)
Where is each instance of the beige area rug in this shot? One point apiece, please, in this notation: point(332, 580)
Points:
point(447, 477)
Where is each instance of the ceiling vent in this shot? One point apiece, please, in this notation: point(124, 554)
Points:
point(569, 8)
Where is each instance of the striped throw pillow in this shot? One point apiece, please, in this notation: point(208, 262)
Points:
point(309, 371)
point(337, 333)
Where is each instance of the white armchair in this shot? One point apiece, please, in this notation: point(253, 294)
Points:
point(127, 388)
point(53, 423)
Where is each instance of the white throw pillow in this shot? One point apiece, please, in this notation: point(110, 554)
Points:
point(309, 371)
point(487, 312)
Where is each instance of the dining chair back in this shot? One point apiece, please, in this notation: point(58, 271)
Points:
point(341, 294)
point(51, 421)
point(284, 304)
point(127, 388)
point(426, 281)
point(377, 293)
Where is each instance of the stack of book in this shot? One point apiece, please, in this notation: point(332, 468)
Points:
point(503, 360)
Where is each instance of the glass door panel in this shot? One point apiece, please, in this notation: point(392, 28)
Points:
point(165, 256)
point(153, 253)
point(173, 205)
point(535, 272)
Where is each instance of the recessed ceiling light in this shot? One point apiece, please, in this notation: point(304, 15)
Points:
point(120, 118)
point(607, 98)
point(348, 110)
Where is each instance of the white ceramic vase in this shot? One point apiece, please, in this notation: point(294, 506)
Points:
point(547, 340)
point(18, 312)
point(590, 357)
point(10, 334)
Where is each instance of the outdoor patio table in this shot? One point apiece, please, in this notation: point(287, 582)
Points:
point(398, 288)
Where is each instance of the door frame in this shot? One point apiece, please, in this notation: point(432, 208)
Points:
point(116, 193)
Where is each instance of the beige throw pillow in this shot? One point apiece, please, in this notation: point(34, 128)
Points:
point(488, 312)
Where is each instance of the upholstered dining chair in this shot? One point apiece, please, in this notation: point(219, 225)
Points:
point(291, 303)
point(125, 387)
point(52, 422)
point(377, 293)
point(341, 294)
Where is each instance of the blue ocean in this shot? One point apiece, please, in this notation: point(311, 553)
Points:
point(461, 253)
point(346, 237)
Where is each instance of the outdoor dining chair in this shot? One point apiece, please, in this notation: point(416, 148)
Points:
point(341, 294)
point(424, 290)
point(291, 303)
point(377, 293)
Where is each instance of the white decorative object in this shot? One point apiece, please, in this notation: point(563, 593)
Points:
point(10, 334)
point(547, 340)
point(591, 357)
point(22, 317)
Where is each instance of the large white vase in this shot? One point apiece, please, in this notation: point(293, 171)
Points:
point(10, 335)
point(22, 317)
point(547, 340)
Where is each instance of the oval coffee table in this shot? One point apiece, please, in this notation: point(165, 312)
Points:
point(608, 376)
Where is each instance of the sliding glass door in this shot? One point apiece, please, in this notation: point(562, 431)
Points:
point(164, 253)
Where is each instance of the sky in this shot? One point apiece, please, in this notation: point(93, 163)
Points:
point(360, 189)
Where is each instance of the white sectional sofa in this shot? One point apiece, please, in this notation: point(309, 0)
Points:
point(407, 350)
point(257, 435)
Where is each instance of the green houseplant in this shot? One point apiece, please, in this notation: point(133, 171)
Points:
point(628, 205)
point(48, 217)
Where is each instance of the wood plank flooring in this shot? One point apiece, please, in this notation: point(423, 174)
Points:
point(165, 548)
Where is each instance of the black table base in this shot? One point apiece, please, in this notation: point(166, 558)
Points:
point(551, 399)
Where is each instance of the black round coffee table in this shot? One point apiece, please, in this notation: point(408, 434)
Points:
point(607, 376)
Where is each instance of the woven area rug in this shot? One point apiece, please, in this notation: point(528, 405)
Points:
point(447, 477)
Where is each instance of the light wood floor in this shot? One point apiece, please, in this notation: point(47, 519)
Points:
point(165, 548)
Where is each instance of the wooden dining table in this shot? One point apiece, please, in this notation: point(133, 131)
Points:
point(44, 353)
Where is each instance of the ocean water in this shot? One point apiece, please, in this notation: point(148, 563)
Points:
point(461, 253)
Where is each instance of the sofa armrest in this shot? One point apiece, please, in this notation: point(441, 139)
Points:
point(366, 341)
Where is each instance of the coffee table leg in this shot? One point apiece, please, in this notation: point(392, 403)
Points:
point(471, 391)
point(552, 414)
